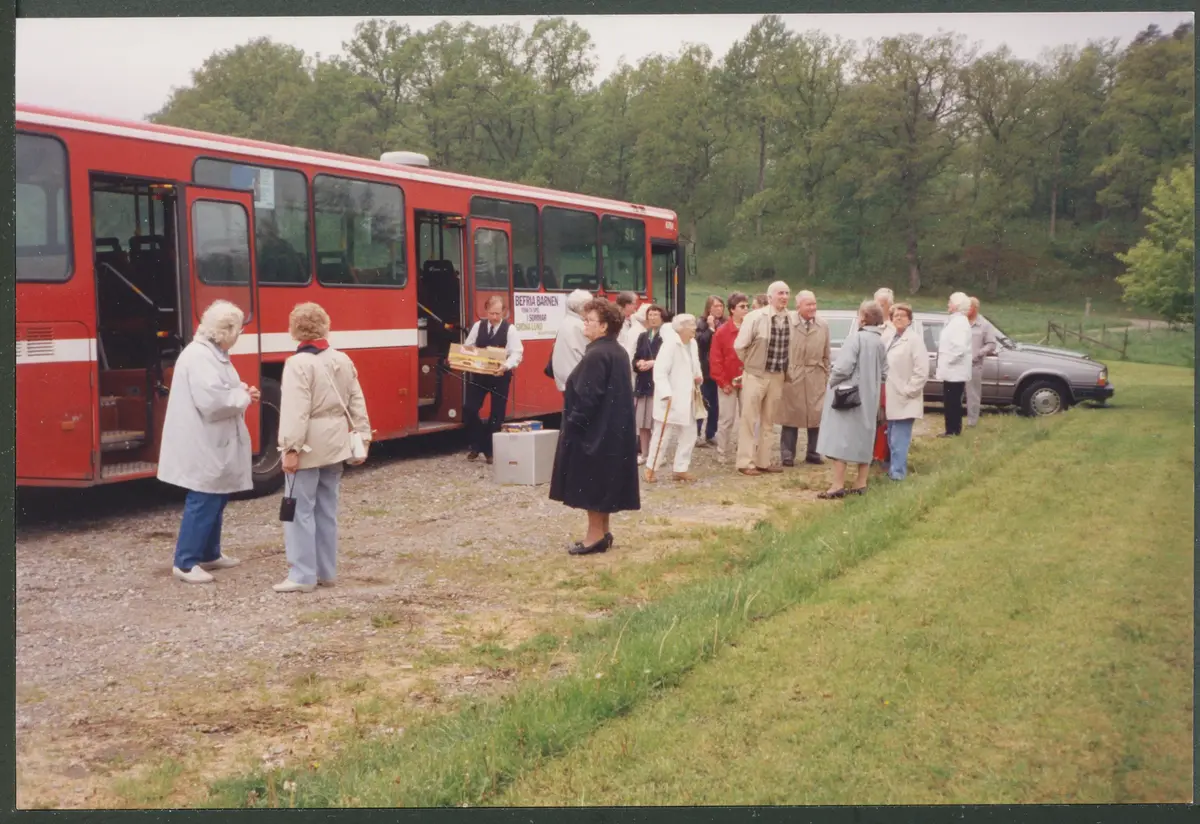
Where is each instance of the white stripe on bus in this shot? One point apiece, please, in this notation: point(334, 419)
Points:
point(83, 350)
point(399, 172)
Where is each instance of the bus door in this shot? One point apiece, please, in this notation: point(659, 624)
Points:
point(489, 274)
point(666, 258)
point(221, 266)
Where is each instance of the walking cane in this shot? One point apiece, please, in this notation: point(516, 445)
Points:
point(661, 437)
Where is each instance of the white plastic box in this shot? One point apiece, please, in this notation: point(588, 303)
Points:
point(525, 458)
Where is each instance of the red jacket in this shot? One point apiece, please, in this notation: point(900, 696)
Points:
point(723, 363)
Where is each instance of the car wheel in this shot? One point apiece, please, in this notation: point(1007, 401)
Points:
point(1042, 398)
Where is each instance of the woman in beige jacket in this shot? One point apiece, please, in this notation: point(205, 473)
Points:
point(321, 403)
point(908, 369)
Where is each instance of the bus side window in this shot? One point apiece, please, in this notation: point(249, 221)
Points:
point(43, 217)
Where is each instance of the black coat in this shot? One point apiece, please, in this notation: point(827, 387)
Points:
point(595, 464)
point(704, 336)
point(643, 382)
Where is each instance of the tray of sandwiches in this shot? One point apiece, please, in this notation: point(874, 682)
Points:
point(481, 361)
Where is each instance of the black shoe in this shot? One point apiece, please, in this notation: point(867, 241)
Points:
point(488, 460)
point(600, 546)
point(472, 455)
point(789, 462)
point(814, 459)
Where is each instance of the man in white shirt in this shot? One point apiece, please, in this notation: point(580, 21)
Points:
point(627, 302)
point(498, 332)
point(954, 361)
point(571, 341)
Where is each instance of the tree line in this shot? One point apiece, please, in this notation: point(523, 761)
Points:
point(914, 159)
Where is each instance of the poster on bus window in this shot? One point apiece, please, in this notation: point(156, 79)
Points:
point(538, 314)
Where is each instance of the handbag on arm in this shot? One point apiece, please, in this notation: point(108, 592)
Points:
point(358, 447)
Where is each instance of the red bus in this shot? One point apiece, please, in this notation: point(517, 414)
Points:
point(126, 231)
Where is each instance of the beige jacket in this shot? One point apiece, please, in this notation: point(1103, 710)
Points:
point(753, 338)
point(808, 374)
point(908, 369)
point(310, 412)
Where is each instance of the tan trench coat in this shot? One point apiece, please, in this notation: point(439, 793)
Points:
point(808, 374)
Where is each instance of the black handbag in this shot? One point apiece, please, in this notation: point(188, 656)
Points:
point(846, 397)
point(287, 506)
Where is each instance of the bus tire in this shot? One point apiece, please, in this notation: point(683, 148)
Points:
point(268, 467)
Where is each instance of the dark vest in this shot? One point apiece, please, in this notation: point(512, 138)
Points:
point(499, 339)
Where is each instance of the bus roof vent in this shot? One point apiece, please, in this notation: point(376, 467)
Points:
point(405, 158)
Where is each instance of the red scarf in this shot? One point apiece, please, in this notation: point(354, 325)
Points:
point(316, 347)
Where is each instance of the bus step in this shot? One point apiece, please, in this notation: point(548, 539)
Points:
point(119, 440)
point(109, 400)
point(425, 402)
point(128, 470)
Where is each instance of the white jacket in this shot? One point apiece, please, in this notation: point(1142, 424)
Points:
point(634, 326)
point(675, 371)
point(568, 348)
point(205, 442)
point(908, 369)
point(954, 350)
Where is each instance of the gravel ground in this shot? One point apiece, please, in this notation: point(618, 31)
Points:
point(119, 666)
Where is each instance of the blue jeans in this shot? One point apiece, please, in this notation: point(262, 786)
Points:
point(200, 531)
point(899, 437)
point(311, 537)
point(711, 395)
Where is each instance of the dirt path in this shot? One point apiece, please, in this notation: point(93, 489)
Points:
point(134, 689)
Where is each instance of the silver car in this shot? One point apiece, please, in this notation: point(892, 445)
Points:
point(1038, 380)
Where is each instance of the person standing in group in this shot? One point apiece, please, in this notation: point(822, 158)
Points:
point(954, 361)
point(594, 465)
point(648, 344)
point(632, 325)
point(677, 373)
point(726, 370)
point(205, 442)
point(760, 302)
point(570, 342)
point(712, 320)
point(808, 374)
point(494, 330)
point(321, 404)
point(848, 429)
point(762, 344)
point(907, 371)
point(983, 344)
point(886, 299)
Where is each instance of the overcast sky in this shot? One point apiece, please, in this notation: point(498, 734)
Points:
point(95, 65)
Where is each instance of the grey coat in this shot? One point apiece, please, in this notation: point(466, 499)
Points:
point(849, 434)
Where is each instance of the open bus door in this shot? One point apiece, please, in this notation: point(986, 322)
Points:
point(489, 274)
point(221, 266)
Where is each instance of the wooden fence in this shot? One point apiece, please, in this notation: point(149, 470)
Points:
point(1061, 332)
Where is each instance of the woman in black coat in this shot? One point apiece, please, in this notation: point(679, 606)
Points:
point(595, 464)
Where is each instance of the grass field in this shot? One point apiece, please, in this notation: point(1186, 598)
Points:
point(1012, 624)
point(1026, 321)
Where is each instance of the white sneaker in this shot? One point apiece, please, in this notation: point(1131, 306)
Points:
point(195, 575)
point(223, 562)
point(641, 460)
point(291, 586)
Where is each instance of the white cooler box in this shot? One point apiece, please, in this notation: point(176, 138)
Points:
point(525, 458)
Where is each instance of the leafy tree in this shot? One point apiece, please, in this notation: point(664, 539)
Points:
point(1161, 273)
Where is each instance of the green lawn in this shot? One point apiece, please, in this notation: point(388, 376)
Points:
point(1028, 640)
point(1013, 623)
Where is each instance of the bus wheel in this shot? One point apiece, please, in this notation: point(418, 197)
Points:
point(268, 467)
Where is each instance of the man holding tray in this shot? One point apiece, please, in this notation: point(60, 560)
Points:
point(497, 332)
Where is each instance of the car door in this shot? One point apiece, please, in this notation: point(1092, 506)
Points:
point(993, 376)
point(933, 332)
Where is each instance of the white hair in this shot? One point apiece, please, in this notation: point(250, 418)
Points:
point(777, 287)
point(577, 300)
point(221, 323)
point(961, 302)
point(681, 320)
point(804, 294)
point(884, 293)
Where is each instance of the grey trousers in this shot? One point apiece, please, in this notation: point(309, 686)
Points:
point(789, 439)
point(974, 394)
point(311, 537)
